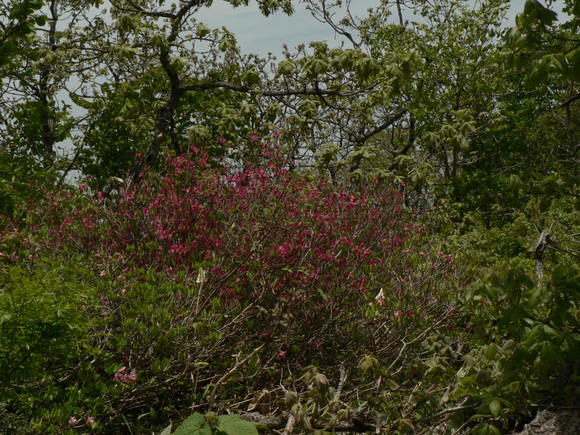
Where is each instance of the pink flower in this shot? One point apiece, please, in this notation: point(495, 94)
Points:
point(103, 273)
point(398, 313)
point(138, 155)
point(100, 196)
point(121, 375)
point(72, 422)
point(255, 137)
point(276, 133)
point(222, 140)
point(83, 187)
point(90, 420)
point(282, 354)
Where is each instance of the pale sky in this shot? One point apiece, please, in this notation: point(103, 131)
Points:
point(258, 34)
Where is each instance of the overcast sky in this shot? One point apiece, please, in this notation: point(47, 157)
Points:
point(258, 34)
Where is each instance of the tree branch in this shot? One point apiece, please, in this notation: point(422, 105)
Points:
point(361, 140)
point(570, 100)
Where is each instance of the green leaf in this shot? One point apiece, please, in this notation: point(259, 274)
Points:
point(549, 330)
point(495, 407)
point(548, 353)
point(530, 337)
point(315, 67)
point(235, 425)
point(546, 16)
point(247, 110)
point(534, 297)
point(524, 279)
point(202, 31)
point(308, 108)
point(227, 42)
point(491, 351)
point(559, 62)
point(574, 60)
point(251, 77)
point(368, 362)
point(195, 424)
point(285, 68)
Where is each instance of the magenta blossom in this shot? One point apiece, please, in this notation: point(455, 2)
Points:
point(124, 377)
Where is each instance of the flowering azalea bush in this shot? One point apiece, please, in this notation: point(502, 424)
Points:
point(210, 286)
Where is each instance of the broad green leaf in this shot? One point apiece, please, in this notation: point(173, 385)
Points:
point(368, 362)
point(534, 297)
point(531, 335)
point(195, 424)
point(235, 425)
point(549, 330)
point(548, 353)
point(495, 407)
point(315, 67)
point(251, 77)
point(560, 63)
point(202, 31)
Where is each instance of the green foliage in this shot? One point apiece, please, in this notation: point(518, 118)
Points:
point(530, 337)
point(544, 45)
point(19, 18)
point(208, 424)
point(21, 183)
point(44, 323)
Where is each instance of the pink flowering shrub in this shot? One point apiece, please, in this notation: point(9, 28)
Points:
point(309, 256)
point(214, 285)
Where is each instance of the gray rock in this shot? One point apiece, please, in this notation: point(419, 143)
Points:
point(557, 422)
